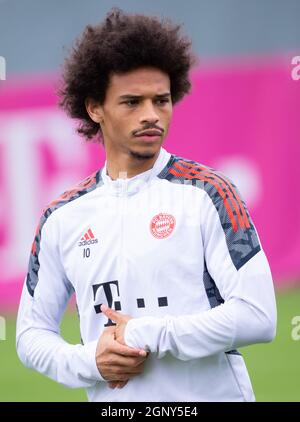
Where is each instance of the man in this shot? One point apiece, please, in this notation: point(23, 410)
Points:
point(168, 270)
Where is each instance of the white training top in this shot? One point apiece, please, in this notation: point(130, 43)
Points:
point(175, 248)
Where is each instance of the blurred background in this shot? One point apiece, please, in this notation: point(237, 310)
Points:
point(242, 117)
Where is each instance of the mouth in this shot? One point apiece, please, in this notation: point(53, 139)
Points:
point(149, 135)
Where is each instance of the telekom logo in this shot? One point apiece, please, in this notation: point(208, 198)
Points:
point(35, 166)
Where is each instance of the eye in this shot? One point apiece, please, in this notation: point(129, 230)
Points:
point(162, 101)
point(131, 103)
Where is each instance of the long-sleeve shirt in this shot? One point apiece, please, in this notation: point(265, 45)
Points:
point(173, 247)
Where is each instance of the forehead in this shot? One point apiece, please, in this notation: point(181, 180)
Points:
point(141, 81)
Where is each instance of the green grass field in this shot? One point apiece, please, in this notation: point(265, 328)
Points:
point(274, 368)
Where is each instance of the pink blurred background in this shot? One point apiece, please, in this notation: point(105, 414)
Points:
point(242, 118)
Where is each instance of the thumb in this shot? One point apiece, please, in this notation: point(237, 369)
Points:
point(111, 314)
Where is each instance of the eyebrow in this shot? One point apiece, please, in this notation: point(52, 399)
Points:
point(132, 96)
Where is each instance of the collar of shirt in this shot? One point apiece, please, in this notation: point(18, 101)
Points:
point(132, 185)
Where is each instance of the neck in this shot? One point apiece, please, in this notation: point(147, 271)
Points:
point(128, 164)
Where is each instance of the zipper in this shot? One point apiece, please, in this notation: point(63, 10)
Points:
point(121, 260)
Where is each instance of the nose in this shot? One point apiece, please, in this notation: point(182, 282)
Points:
point(148, 114)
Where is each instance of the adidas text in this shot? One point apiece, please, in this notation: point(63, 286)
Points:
point(87, 242)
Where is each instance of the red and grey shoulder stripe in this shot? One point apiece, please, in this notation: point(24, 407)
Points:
point(87, 185)
point(232, 202)
point(241, 237)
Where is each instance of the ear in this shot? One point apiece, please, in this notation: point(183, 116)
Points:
point(94, 110)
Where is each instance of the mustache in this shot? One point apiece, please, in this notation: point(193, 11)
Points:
point(147, 127)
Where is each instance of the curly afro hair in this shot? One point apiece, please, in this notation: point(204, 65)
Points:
point(123, 42)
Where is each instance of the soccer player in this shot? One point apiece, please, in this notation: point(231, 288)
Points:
point(168, 270)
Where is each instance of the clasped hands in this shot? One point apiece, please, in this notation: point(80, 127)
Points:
point(117, 362)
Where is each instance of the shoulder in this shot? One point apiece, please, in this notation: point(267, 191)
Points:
point(222, 192)
point(78, 191)
point(183, 170)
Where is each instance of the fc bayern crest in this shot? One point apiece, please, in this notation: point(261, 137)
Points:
point(162, 225)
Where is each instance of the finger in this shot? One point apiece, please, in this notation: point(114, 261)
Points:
point(123, 350)
point(118, 372)
point(111, 314)
point(112, 384)
point(110, 332)
point(117, 384)
point(110, 329)
point(126, 361)
point(118, 376)
point(122, 384)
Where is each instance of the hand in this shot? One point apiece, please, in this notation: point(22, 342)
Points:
point(116, 362)
point(120, 320)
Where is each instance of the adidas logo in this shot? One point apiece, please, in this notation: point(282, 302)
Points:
point(88, 239)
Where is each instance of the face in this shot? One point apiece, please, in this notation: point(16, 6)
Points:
point(136, 113)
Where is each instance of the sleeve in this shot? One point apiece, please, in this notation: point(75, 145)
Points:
point(45, 295)
point(236, 271)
